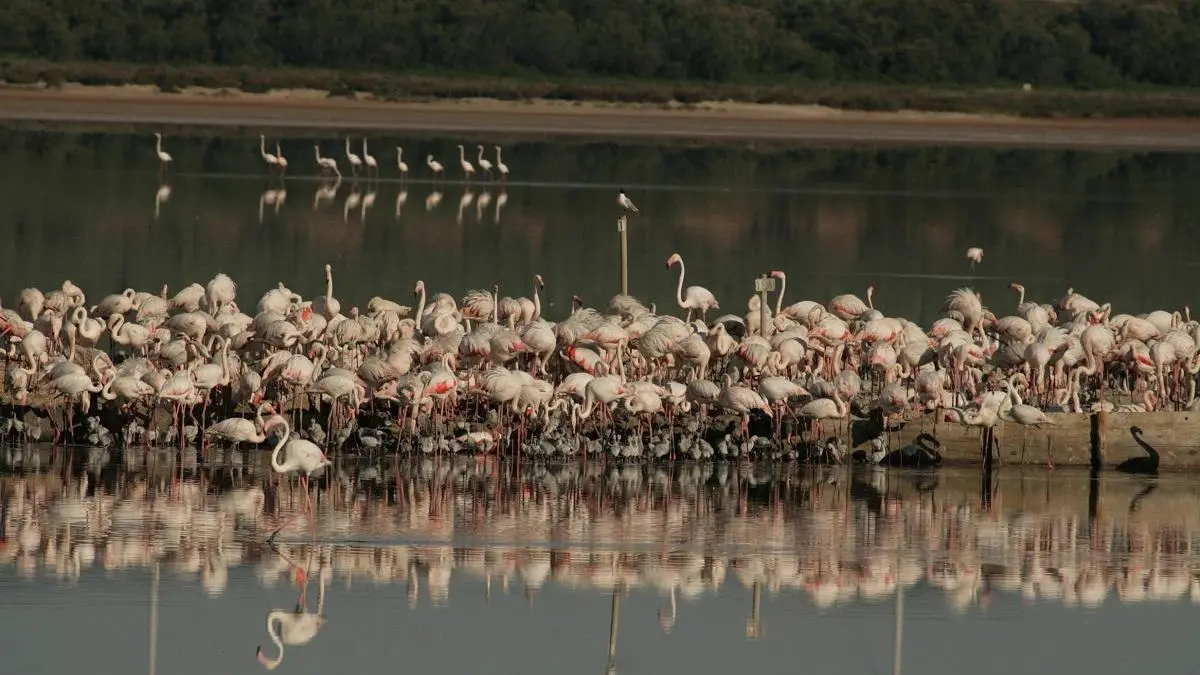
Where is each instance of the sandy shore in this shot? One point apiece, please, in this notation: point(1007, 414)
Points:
point(715, 121)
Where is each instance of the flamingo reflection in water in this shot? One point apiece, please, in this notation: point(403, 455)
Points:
point(296, 627)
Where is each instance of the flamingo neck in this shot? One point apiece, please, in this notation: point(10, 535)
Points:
point(537, 303)
point(278, 466)
point(782, 290)
point(679, 287)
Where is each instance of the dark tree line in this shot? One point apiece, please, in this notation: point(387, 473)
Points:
point(939, 42)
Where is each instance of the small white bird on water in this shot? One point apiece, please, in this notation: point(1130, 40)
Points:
point(975, 255)
point(625, 202)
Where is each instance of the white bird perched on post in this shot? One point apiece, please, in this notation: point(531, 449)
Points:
point(626, 203)
point(975, 255)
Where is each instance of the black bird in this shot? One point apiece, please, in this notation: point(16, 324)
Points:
point(1143, 465)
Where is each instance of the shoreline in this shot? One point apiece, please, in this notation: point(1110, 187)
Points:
point(107, 106)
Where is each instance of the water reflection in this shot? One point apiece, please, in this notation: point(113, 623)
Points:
point(836, 220)
point(834, 536)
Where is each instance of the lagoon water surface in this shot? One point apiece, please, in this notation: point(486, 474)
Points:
point(125, 564)
point(1117, 226)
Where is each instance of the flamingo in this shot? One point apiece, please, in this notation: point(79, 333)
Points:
point(626, 203)
point(327, 163)
point(501, 167)
point(327, 305)
point(163, 158)
point(239, 429)
point(468, 170)
point(302, 455)
point(975, 255)
point(369, 160)
point(271, 160)
point(280, 160)
point(401, 165)
point(435, 166)
point(698, 298)
point(355, 160)
point(483, 162)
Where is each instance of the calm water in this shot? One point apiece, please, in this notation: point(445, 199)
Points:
point(450, 567)
point(1119, 226)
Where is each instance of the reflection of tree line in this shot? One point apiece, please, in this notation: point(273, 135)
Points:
point(833, 535)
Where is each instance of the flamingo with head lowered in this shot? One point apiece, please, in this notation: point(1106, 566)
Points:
point(698, 298)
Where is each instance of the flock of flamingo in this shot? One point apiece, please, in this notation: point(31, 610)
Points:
point(366, 162)
point(489, 372)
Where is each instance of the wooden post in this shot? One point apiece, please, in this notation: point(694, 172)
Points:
point(763, 285)
point(1098, 436)
point(614, 619)
point(622, 227)
point(754, 623)
point(898, 634)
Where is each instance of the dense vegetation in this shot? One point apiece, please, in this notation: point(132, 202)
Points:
point(745, 46)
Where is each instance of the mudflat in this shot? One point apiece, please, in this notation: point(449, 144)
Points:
point(715, 121)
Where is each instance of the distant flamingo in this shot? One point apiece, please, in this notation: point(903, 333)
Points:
point(327, 163)
point(975, 255)
point(501, 167)
point(355, 160)
point(468, 170)
point(483, 162)
point(401, 165)
point(163, 158)
point(369, 160)
point(271, 160)
point(280, 159)
point(435, 166)
point(698, 298)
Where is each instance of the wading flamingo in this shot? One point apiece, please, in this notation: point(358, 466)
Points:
point(467, 168)
point(355, 160)
point(163, 158)
point(698, 298)
point(501, 167)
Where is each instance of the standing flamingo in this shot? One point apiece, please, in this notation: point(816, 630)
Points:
point(327, 305)
point(434, 166)
point(401, 165)
point(369, 160)
point(163, 158)
point(327, 163)
point(698, 298)
point(303, 456)
point(355, 160)
point(468, 170)
point(280, 160)
point(271, 160)
point(483, 162)
point(501, 167)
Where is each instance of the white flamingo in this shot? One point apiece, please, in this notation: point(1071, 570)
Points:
point(435, 166)
point(501, 167)
point(369, 160)
point(163, 158)
point(401, 165)
point(355, 160)
point(327, 163)
point(698, 298)
point(280, 159)
point(483, 162)
point(271, 160)
point(468, 170)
